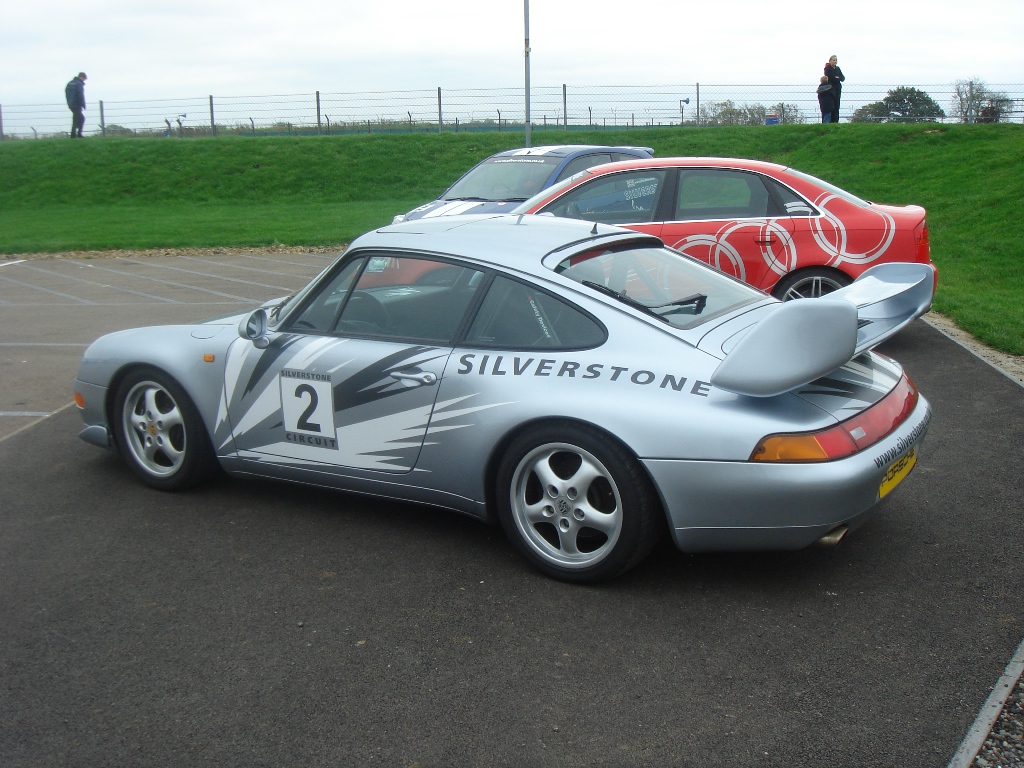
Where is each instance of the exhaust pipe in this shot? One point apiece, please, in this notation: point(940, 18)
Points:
point(832, 538)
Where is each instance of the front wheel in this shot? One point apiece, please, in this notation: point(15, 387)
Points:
point(159, 432)
point(578, 505)
point(809, 284)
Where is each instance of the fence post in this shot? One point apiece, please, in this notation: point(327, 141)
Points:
point(565, 112)
point(213, 124)
point(1, 122)
point(318, 113)
point(439, 123)
point(103, 122)
point(698, 105)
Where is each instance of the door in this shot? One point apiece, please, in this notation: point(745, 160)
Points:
point(625, 199)
point(351, 377)
point(727, 218)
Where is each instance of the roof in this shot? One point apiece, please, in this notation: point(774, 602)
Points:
point(676, 162)
point(565, 150)
point(515, 242)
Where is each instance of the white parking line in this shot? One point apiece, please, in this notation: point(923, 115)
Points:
point(8, 263)
point(33, 423)
point(989, 713)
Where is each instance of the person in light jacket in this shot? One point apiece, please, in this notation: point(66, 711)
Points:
point(835, 79)
point(74, 92)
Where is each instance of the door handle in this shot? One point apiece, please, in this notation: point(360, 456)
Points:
point(424, 377)
point(766, 240)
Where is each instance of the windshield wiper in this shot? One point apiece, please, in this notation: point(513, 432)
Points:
point(276, 309)
point(468, 200)
point(621, 296)
point(698, 301)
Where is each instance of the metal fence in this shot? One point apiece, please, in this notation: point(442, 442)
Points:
point(480, 109)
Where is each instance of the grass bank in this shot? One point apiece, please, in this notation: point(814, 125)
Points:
point(119, 193)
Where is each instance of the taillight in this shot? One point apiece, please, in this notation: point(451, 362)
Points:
point(922, 242)
point(854, 434)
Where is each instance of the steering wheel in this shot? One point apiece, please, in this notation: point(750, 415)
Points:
point(364, 311)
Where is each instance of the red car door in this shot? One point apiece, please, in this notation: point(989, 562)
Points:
point(726, 218)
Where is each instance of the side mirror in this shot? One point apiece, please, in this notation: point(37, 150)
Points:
point(254, 328)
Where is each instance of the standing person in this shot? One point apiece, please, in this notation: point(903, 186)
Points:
point(826, 100)
point(835, 79)
point(74, 92)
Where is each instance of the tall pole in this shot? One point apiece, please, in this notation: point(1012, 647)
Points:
point(526, 53)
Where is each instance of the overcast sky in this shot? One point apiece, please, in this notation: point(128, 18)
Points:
point(177, 48)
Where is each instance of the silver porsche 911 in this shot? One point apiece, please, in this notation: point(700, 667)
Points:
point(584, 385)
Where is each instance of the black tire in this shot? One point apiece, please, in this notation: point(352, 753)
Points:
point(811, 283)
point(159, 432)
point(568, 531)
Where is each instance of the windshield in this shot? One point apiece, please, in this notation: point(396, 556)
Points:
point(544, 194)
point(831, 188)
point(674, 288)
point(504, 178)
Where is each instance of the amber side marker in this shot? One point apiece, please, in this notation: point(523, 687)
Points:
point(208, 358)
point(79, 400)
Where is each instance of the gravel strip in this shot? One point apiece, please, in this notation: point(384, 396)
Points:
point(1004, 747)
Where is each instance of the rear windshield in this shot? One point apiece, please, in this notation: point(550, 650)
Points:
point(504, 178)
point(673, 288)
point(831, 188)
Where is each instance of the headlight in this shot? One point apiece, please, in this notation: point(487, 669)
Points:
point(398, 219)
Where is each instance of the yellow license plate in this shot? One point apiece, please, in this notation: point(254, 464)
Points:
point(898, 470)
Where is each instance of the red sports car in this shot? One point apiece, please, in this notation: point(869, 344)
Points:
point(773, 227)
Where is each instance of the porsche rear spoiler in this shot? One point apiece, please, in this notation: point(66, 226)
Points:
point(800, 341)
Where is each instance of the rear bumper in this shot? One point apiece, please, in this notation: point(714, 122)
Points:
point(729, 506)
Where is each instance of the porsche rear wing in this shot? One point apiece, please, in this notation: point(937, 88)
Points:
point(800, 341)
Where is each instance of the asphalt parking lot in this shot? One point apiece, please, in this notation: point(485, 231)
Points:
point(250, 623)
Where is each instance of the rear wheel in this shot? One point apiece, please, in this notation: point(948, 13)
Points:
point(579, 506)
point(159, 432)
point(809, 284)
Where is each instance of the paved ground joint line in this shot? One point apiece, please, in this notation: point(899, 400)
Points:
point(37, 421)
point(989, 713)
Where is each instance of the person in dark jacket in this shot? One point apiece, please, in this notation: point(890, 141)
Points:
point(826, 100)
point(74, 92)
point(835, 79)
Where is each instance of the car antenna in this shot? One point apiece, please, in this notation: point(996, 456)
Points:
point(594, 230)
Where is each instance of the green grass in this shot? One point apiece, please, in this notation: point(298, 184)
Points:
point(119, 193)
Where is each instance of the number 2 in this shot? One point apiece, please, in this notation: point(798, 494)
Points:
point(304, 422)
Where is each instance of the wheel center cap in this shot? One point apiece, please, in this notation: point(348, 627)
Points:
point(152, 429)
point(564, 507)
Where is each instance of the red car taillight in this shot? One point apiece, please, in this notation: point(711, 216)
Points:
point(922, 242)
point(855, 434)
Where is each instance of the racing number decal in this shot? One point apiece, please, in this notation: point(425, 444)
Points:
point(304, 422)
point(307, 404)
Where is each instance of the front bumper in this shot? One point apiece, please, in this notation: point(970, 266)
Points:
point(743, 505)
point(94, 414)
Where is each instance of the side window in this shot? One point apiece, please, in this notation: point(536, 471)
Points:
point(789, 201)
point(720, 194)
point(320, 314)
point(514, 315)
point(408, 298)
point(622, 198)
point(583, 162)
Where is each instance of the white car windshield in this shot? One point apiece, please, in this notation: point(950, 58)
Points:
point(504, 178)
point(660, 282)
